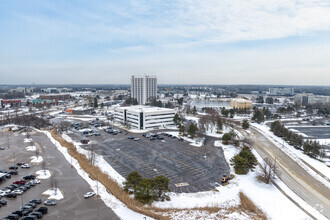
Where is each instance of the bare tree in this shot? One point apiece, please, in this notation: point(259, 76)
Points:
point(43, 165)
point(92, 154)
point(268, 170)
point(37, 153)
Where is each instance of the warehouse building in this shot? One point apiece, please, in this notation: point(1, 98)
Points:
point(144, 117)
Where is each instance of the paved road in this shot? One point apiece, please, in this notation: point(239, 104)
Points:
point(73, 206)
point(296, 178)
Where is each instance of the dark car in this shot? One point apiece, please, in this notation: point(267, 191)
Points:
point(20, 163)
point(18, 212)
point(7, 175)
point(37, 214)
point(13, 216)
point(180, 139)
point(23, 188)
point(3, 171)
point(130, 137)
point(3, 202)
point(13, 167)
point(13, 172)
point(2, 148)
point(30, 217)
point(152, 139)
point(29, 177)
point(10, 187)
point(42, 209)
point(11, 195)
point(35, 201)
point(26, 212)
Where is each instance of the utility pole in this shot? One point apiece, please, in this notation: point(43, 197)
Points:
point(7, 141)
point(14, 158)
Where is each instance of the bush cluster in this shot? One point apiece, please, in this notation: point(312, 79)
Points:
point(147, 190)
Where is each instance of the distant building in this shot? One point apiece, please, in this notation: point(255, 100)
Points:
point(143, 88)
point(79, 111)
point(309, 99)
point(240, 103)
point(55, 96)
point(144, 117)
point(12, 102)
point(281, 91)
point(43, 101)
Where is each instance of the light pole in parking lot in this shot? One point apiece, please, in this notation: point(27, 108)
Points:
point(14, 158)
point(22, 199)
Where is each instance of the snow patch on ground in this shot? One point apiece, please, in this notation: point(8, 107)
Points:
point(31, 148)
point(43, 174)
point(36, 159)
point(54, 193)
point(27, 140)
point(111, 201)
point(196, 142)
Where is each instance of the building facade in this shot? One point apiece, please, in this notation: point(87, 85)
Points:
point(144, 117)
point(55, 96)
point(281, 91)
point(240, 103)
point(143, 88)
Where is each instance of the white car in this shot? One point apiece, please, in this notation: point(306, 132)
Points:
point(89, 194)
point(36, 181)
point(136, 139)
point(2, 193)
point(25, 166)
point(18, 191)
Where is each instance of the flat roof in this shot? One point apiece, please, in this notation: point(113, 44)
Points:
point(143, 108)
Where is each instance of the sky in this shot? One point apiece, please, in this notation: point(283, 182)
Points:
point(282, 42)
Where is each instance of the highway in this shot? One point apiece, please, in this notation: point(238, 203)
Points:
point(292, 174)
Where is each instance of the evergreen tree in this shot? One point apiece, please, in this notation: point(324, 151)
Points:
point(245, 124)
point(161, 185)
point(192, 130)
point(95, 103)
point(144, 192)
point(132, 180)
point(219, 124)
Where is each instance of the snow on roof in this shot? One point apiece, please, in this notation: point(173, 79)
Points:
point(143, 108)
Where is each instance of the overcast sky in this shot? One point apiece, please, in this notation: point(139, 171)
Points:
point(180, 41)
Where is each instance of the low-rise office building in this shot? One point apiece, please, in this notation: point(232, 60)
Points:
point(144, 117)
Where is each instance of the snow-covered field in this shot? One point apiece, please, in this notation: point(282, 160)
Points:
point(54, 193)
point(296, 155)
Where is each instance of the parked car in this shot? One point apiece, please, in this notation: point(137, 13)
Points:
point(27, 208)
point(136, 139)
point(33, 205)
point(3, 202)
point(2, 148)
point(29, 177)
point(35, 201)
point(30, 217)
point(37, 181)
point(18, 191)
point(42, 209)
point(37, 214)
point(11, 195)
point(25, 166)
point(8, 175)
point(50, 202)
point(89, 194)
point(13, 217)
point(13, 167)
point(18, 212)
point(13, 172)
point(130, 137)
point(19, 163)
point(20, 182)
point(3, 171)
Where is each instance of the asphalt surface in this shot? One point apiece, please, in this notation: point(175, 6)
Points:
point(182, 163)
point(296, 178)
point(72, 186)
point(315, 132)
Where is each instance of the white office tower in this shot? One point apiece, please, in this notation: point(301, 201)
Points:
point(143, 88)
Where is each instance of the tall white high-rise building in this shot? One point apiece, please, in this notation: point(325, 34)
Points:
point(143, 88)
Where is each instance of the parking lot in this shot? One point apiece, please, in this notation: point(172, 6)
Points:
point(71, 185)
point(190, 169)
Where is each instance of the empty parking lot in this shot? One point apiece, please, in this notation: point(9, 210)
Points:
point(190, 169)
